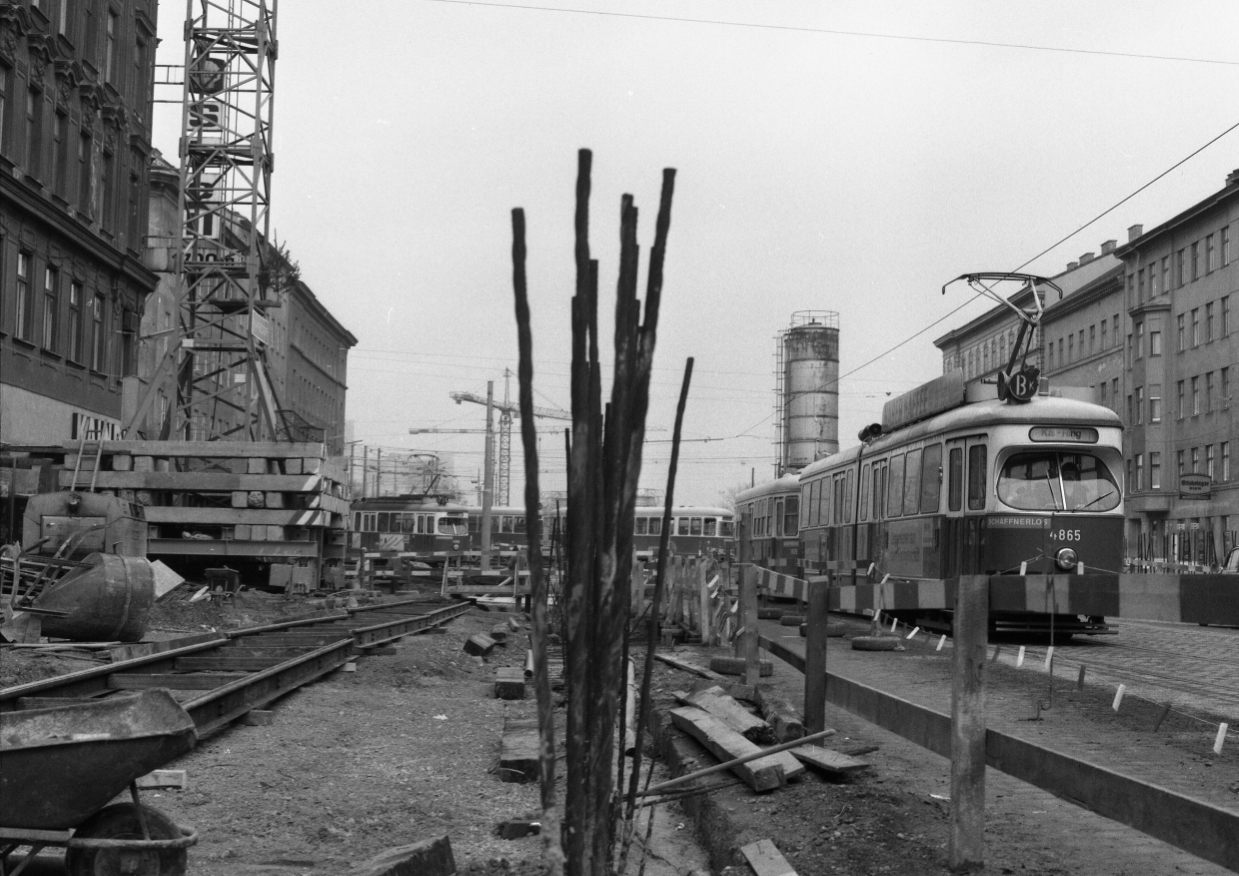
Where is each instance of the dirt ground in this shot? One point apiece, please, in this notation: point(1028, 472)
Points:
point(406, 748)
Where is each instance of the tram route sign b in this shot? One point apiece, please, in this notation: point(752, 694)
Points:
point(1019, 386)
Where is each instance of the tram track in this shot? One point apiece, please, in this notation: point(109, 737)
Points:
point(222, 678)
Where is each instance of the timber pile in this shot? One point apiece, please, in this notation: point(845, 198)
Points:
point(280, 502)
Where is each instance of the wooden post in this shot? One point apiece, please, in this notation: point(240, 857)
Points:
point(748, 606)
point(815, 659)
point(704, 621)
point(971, 626)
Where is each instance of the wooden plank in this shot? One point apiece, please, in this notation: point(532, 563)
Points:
point(163, 779)
point(828, 761)
point(212, 449)
point(815, 660)
point(479, 645)
point(432, 857)
point(233, 516)
point(171, 680)
point(519, 751)
point(686, 666)
point(200, 481)
point(782, 716)
point(718, 703)
point(970, 630)
point(510, 683)
point(762, 774)
point(766, 859)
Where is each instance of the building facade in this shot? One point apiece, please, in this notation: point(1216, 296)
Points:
point(76, 83)
point(1181, 294)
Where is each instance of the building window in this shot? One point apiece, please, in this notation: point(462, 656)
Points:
point(1103, 394)
point(1139, 340)
point(1225, 387)
point(24, 314)
point(1139, 471)
point(1116, 329)
point(1208, 322)
point(1195, 259)
point(1155, 343)
point(1209, 460)
point(98, 347)
point(34, 131)
point(1104, 340)
point(110, 54)
point(1224, 308)
point(107, 213)
point(1051, 359)
point(1130, 347)
point(1155, 403)
point(1139, 405)
point(1182, 332)
point(51, 307)
point(1165, 274)
point(1180, 269)
point(1130, 479)
point(1195, 396)
point(1210, 255)
point(1179, 462)
point(1195, 326)
point(1062, 360)
point(1140, 286)
point(1195, 460)
point(1153, 280)
point(84, 149)
point(4, 108)
point(75, 322)
point(1182, 401)
point(1225, 246)
point(60, 159)
point(1130, 418)
point(1155, 470)
point(1092, 338)
point(1114, 392)
point(1208, 391)
point(1226, 460)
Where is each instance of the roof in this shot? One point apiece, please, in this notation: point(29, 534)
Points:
point(789, 483)
point(1218, 198)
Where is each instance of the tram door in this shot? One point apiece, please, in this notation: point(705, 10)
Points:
point(967, 491)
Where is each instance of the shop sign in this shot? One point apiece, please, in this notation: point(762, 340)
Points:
point(1195, 486)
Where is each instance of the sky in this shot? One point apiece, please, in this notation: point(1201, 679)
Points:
point(841, 156)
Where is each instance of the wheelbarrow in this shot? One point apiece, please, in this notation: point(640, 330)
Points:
point(61, 767)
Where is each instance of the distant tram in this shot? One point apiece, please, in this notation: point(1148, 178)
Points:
point(414, 527)
point(695, 530)
point(983, 488)
point(773, 510)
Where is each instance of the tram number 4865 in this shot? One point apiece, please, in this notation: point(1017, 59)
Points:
point(1065, 535)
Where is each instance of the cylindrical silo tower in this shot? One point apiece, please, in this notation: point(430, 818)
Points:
point(809, 349)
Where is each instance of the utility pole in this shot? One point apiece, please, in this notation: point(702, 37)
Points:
point(378, 472)
point(365, 467)
point(488, 475)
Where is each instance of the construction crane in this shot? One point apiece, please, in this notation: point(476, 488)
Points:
point(507, 411)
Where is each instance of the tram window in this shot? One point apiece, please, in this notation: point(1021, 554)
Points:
point(371, 522)
point(710, 525)
point(494, 523)
point(682, 526)
point(694, 526)
point(931, 478)
point(804, 510)
point(1051, 481)
point(847, 499)
point(823, 502)
point(877, 490)
point(912, 483)
point(475, 523)
point(976, 477)
point(814, 490)
point(384, 521)
point(727, 528)
point(791, 515)
point(641, 523)
point(357, 521)
point(955, 492)
point(894, 485)
point(656, 526)
point(508, 523)
point(778, 518)
point(453, 525)
point(864, 493)
point(519, 525)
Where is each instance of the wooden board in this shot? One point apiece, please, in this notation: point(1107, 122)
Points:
point(518, 755)
point(766, 859)
point(510, 683)
point(762, 774)
point(828, 761)
point(233, 516)
point(686, 666)
point(211, 449)
point(718, 703)
point(782, 716)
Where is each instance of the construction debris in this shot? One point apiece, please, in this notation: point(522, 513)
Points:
point(766, 860)
point(736, 666)
point(510, 683)
point(828, 761)
point(782, 716)
point(718, 703)
point(519, 753)
point(764, 773)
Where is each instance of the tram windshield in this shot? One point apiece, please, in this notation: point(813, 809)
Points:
point(1048, 480)
point(453, 526)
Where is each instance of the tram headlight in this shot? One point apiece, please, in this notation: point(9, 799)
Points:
point(1066, 559)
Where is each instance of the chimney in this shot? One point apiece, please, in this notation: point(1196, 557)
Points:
point(1071, 266)
point(1134, 231)
point(1107, 246)
point(1232, 178)
point(1086, 258)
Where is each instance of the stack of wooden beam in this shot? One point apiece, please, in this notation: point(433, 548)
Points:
point(278, 502)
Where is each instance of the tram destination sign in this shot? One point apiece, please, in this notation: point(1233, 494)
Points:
point(1195, 485)
point(938, 395)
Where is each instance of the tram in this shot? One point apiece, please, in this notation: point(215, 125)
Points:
point(417, 527)
point(773, 510)
point(696, 530)
point(981, 488)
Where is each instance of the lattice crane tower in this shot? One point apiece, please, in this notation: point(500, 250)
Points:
point(229, 275)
